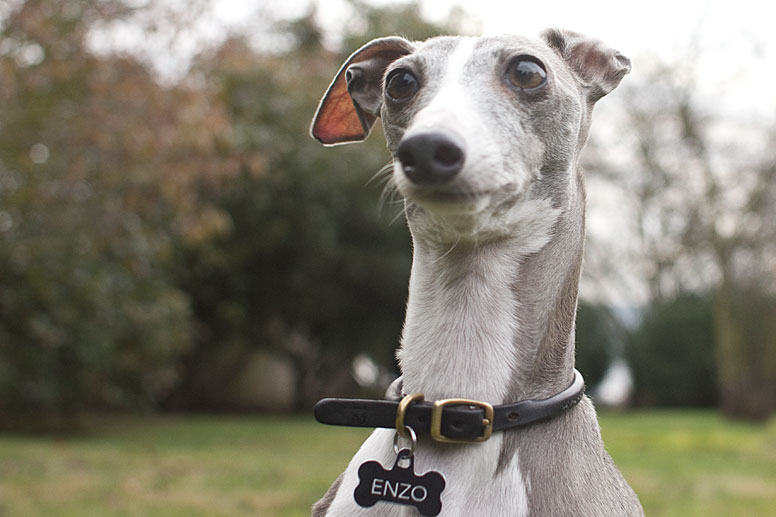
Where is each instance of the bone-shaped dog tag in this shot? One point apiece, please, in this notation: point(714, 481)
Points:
point(400, 485)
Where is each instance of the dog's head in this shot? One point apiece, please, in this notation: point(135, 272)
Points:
point(485, 132)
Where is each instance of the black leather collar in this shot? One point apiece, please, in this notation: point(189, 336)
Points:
point(454, 420)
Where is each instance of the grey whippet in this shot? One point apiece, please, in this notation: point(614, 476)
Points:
point(486, 135)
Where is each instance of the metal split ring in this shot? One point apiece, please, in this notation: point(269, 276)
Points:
point(404, 431)
point(409, 434)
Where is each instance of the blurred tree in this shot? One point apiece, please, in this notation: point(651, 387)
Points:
point(121, 245)
point(100, 169)
point(704, 187)
point(671, 354)
point(312, 268)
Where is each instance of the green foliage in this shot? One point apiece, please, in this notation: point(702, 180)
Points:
point(127, 263)
point(745, 328)
point(672, 354)
point(98, 165)
point(306, 237)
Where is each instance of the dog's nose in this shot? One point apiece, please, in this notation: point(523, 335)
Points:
point(431, 158)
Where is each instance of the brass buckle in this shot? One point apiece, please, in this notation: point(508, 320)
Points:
point(436, 420)
point(402, 409)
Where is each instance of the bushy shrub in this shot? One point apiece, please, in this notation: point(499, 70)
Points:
point(672, 356)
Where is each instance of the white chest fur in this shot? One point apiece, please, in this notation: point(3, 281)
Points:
point(463, 312)
point(458, 335)
point(472, 488)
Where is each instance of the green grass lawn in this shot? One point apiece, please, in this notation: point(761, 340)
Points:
point(680, 464)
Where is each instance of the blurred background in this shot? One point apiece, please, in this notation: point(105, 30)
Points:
point(173, 242)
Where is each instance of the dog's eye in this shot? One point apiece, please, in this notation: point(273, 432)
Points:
point(526, 73)
point(401, 85)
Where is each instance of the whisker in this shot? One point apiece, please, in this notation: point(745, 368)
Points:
point(383, 173)
point(399, 215)
point(389, 194)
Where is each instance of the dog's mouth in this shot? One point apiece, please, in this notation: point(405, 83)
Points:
point(449, 197)
point(448, 200)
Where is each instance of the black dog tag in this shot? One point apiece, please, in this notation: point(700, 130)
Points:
point(400, 486)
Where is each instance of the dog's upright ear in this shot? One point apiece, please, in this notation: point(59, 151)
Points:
point(352, 103)
point(598, 67)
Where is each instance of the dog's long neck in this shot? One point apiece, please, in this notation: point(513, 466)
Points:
point(490, 321)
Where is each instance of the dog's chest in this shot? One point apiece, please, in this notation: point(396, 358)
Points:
point(472, 486)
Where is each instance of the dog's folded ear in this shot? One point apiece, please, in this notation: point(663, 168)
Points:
point(598, 67)
point(352, 103)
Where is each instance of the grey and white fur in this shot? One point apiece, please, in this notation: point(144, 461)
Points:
point(486, 135)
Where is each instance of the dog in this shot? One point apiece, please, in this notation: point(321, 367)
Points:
point(486, 135)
